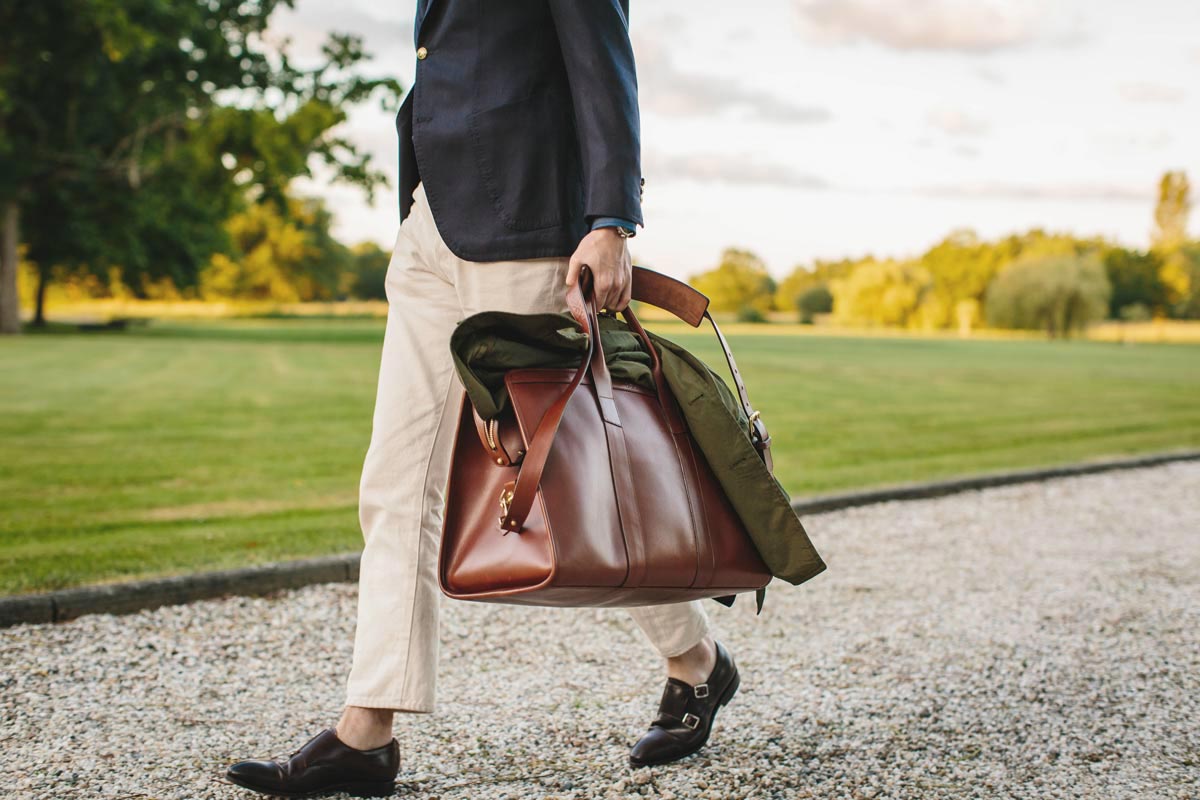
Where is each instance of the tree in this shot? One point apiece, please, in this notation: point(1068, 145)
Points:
point(1136, 279)
point(1183, 270)
point(740, 281)
point(10, 258)
point(1171, 212)
point(1169, 238)
point(817, 300)
point(802, 279)
point(326, 261)
point(962, 266)
point(131, 131)
point(368, 274)
point(1058, 294)
point(289, 256)
point(880, 293)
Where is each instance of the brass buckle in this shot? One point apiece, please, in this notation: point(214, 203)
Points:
point(755, 416)
point(506, 498)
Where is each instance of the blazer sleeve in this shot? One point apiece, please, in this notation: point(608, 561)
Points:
point(594, 38)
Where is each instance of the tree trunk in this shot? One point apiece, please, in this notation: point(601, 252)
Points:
point(10, 304)
point(39, 311)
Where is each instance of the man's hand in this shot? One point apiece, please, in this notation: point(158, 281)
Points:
point(605, 252)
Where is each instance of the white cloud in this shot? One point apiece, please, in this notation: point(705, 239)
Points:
point(664, 88)
point(991, 76)
point(956, 122)
point(726, 168)
point(969, 26)
point(1124, 144)
point(1146, 92)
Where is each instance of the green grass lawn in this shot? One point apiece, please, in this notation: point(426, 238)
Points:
point(180, 446)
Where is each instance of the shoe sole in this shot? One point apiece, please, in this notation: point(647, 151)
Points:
point(726, 696)
point(352, 789)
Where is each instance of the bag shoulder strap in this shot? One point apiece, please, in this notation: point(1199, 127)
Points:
point(691, 306)
point(758, 429)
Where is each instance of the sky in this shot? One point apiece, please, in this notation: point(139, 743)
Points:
point(823, 129)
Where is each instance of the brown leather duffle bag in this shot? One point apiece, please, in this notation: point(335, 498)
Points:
point(590, 492)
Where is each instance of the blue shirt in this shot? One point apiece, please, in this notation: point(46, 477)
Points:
point(614, 222)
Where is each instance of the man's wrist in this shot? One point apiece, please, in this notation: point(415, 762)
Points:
point(623, 227)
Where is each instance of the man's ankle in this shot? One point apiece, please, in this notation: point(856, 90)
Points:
point(365, 728)
point(695, 665)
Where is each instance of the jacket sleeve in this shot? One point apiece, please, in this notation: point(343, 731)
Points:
point(594, 38)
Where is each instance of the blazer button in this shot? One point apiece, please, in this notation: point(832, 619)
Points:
point(421, 53)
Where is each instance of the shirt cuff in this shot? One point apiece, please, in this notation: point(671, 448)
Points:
point(614, 222)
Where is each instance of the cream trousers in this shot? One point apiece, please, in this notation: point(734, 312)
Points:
point(402, 489)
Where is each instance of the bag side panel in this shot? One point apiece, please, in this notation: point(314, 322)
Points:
point(669, 533)
point(476, 557)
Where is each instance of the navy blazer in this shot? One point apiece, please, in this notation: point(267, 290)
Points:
point(522, 123)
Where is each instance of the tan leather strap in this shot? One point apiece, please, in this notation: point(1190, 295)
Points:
point(618, 457)
point(663, 291)
point(520, 493)
point(666, 399)
point(705, 556)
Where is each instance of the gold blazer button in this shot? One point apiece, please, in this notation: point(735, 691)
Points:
point(421, 53)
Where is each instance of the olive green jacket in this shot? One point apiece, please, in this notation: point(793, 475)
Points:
point(486, 345)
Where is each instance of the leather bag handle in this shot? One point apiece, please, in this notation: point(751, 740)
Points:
point(649, 287)
point(518, 496)
point(669, 294)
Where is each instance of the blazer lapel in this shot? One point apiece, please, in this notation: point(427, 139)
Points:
point(422, 12)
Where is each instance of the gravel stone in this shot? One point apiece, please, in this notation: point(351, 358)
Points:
point(1037, 640)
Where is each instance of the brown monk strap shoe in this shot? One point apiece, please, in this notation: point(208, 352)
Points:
point(322, 766)
point(686, 714)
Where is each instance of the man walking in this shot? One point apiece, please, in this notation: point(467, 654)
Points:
point(519, 164)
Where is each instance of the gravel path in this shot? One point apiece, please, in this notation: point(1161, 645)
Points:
point(1028, 641)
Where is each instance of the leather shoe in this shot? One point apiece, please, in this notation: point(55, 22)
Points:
point(686, 714)
point(325, 764)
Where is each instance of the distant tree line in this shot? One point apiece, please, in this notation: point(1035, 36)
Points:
point(1036, 280)
point(149, 149)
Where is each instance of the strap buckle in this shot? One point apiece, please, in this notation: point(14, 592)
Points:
point(701, 691)
point(506, 498)
point(758, 431)
point(691, 721)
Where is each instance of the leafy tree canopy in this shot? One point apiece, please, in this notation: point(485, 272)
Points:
point(131, 130)
point(740, 281)
point(1057, 294)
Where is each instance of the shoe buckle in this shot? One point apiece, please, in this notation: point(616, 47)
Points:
point(690, 720)
point(701, 691)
